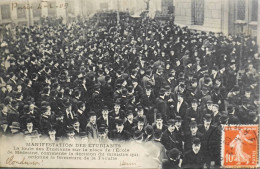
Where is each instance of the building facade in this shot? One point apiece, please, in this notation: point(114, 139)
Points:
point(227, 16)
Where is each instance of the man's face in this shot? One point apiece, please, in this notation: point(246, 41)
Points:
point(130, 117)
point(52, 133)
point(196, 148)
point(178, 124)
point(71, 135)
point(117, 107)
point(159, 121)
point(148, 92)
point(171, 128)
point(3, 89)
point(19, 88)
point(194, 105)
point(105, 113)
point(9, 88)
point(247, 94)
point(214, 109)
point(29, 127)
point(194, 129)
point(140, 112)
point(194, 84)
point(93, 119)
point(209, 105)
point(76, 126)
point(140, 124)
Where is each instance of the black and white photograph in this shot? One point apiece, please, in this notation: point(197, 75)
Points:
point(162, 84)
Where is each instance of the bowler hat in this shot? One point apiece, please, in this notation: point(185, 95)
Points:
point(171, 122)
point(92, 113)
point(119, 122)
point(196, 141)
point(207, 117)
point(193, 124)
point(173, 153)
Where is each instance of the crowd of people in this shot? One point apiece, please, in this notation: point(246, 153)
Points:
point(139, 79)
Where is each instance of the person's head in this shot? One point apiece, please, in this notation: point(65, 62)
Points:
point(215, 108)
point(149, 130)
point(157, 134)
point(92, 117)
point(19, 88)
point(140, 122)
point(70, 133)
point(119, 125)
point(140, 110)
point(102, 134)
point(174, 154)
point(207, 119)
point(148, 90)
point(209, 104)
point(29, 126)
point(194, 104)
point(52, 133)
point(247, 92)
point(178, 121)
point(117, 105)
point(159, 119)
point(130, 115)
point(193, 127)
point(171, 125)
point(9, 87)
point(76, 124)
point(105, 111)
point(167, 90)
point(196, 144)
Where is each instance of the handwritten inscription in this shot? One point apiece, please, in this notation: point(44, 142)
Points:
point(41, 5)
point(124, 163)
point(12, 161)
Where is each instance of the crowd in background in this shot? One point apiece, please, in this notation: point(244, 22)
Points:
point(139, 79)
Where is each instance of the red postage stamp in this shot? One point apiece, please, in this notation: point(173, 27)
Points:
point(239, 146)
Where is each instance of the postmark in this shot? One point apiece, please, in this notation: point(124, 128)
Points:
point(239, 148)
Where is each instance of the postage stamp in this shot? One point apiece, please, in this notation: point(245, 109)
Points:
point(239, 147)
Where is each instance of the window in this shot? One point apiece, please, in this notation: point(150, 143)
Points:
point(198, 12)
point(36, 10)
point(5, 11)
point(21, 11)
point(52, 8)
point(241, 9)
point(254, 11)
